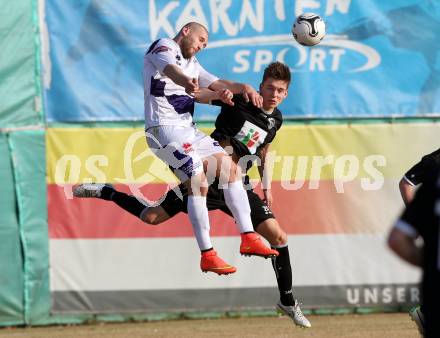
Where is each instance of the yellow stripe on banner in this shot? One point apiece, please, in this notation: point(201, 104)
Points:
point(367, 151)
point(309, 152)
point(115, 155)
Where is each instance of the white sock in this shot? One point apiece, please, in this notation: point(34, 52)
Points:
point(198, 215)
point(237, 201)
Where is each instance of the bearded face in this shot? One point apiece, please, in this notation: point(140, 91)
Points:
point(186, 47)
point(193, 40)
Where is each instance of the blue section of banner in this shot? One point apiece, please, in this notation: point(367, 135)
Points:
point(379, 58)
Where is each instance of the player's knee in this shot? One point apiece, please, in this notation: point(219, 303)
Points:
point(280, 239)
point(272, 231)
point(275, 236)
point(198, 191)
point(230, 172)
point(151, 218)
point(198, 185)
point(235, 172)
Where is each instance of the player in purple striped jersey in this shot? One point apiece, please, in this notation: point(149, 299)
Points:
point(173, 81)
point(248, 131)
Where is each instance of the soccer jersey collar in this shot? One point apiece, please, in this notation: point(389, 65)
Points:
point(267, 112)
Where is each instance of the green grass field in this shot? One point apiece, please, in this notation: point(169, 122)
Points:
point(326, 326)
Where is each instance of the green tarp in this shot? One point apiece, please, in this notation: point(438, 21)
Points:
point(19, 81)
point(29, 160)
point(24, 274)
point(11, 262)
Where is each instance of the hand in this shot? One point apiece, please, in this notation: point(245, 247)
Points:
point(192, 86)
point(268, 197)
point(250, 94)
point(226, 96)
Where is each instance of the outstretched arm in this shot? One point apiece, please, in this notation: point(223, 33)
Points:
point(248, 92)
point(205, 95)
point(191, 85)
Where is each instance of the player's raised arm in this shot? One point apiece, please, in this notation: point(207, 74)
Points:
point(205, 95)
point(248, 92)
point(191, 85)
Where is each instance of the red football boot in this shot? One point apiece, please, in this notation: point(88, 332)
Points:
point(252, 245)
point(211, 262)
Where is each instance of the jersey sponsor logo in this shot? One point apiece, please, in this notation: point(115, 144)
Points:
point(251, 136)
point(187, 148)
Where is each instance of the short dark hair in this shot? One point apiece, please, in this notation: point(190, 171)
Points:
point(278, 71)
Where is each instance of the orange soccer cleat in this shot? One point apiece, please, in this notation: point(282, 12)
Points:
point(252, 245)
point(211, 262)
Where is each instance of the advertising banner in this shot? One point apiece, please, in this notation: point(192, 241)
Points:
point(379, 58)
point(335, 193)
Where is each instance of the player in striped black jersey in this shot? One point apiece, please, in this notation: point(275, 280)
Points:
point(417, 175)
point(249, 131)
point(422, 217)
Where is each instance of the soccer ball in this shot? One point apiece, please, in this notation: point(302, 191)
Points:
point(308, 29)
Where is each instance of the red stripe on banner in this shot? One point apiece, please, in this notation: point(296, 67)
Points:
point(304, 211)
point(95, 218)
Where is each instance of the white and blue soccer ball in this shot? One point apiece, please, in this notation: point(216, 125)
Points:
point(308, 29)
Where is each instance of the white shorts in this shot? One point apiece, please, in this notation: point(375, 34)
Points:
point(182, 148)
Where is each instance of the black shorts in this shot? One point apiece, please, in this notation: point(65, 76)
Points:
point(260, 212)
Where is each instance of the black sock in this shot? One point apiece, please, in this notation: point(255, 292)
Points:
point(283, 272)
point(107, 192)
point(126, 202)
